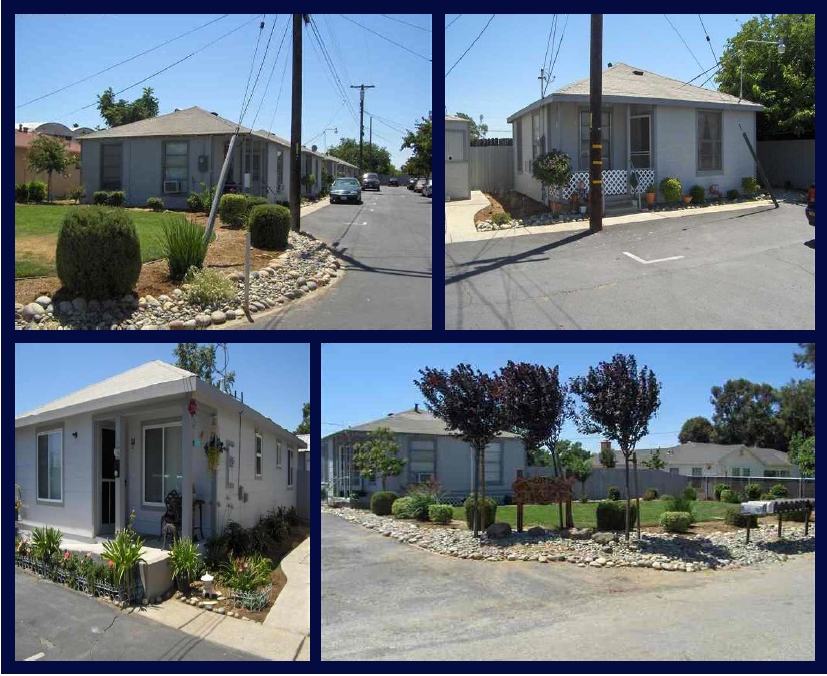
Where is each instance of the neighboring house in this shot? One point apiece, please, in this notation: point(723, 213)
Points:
point(87, 460)
point(171, 155)
point(22, 174)
point(304, 453)
point(651, 124)
point(54, 129)
point(730, 460)
point(457, 158)
point(431, 453)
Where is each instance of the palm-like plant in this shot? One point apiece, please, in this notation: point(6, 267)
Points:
point(246, 574)
point(46, 543)
point(124, 552)
point(185, 560)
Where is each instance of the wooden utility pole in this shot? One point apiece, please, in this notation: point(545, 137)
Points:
point(361, 88)
point(595, 132)
point(296, 125)
point(370, 143)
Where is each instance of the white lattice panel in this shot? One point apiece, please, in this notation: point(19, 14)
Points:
point(615, 182)
point(644, 178)
point(576, 178)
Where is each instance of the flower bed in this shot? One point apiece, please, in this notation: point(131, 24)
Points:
point(252, 600)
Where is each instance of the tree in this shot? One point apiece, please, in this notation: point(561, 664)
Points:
point(304, 425)
point(697, 429)
point(803, 454)
point(377, 455)
point(655, 462)
point(475, 131)
point(570, 452)
point(797, 414)
point(747, 413)
point(201, 360)
point(378, 159)
point(617, 402)
point(50, 155)
point(785, 84)
point(582, 470)
point(607, 458)
point(469, 403)
point(420, 143)
point(122, 111)
point(807, 358)
point(539, 457)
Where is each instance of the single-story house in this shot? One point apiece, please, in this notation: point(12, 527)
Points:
point(457, 158)
point(61, 183)
point(431, 452)
point(57, 129)
point(304, 453)
point(87, 460)
point(652, 125)
point(319, 165)
point(696, 459)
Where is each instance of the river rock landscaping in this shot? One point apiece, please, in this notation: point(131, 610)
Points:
point(305, 267)
point(586, 548)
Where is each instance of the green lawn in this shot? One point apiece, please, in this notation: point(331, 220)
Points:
point(35, 235)
point(584, 514)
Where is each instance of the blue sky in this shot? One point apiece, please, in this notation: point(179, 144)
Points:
point(75, 46)
point(499, 75)
point(275, 378)
point(366, 382)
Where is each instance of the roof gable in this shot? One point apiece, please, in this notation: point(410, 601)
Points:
point(192, 121)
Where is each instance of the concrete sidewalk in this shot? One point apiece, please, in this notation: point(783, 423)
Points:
point(459, 218)
point(291, 611)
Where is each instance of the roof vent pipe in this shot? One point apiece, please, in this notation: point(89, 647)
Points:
point(416, 408)
point(212, 112)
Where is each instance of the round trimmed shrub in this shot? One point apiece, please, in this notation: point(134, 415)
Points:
point(98, 253)
point(99, 197)
point(401, 508)
point(501, 218)
point(116, 198)
point(766, 496)
point(752, 491)
point(675, 522)
point(651, 494)
point(733, 517)
point(195, 202)
point(718, 488)
point(490, 508)
point(749, 185)
point(269, 226)
point(690, 493)
point(37, 191)
point(732, 194)
point(155, 203)
point(698, 194)
point(611, 515)
point(254, 201)
point(671, 189)
point(730, 496)
point(779, 492)
point(440, 513)
point(232, 209)
point(21, 193)
point(613, 493)
point(381, 502)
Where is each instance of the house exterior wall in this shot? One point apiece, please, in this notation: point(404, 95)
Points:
point(60, 183)
point(274, 194)
point(458, 168)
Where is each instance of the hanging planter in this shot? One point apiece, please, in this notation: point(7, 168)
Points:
point(213, 451)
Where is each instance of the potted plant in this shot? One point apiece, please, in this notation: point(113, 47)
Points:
point(213, 450)
point(687, 199)
point(553, 169)
point(185, 562)
point(650, 194)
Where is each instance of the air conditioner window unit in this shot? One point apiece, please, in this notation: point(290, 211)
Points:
point(172, 187)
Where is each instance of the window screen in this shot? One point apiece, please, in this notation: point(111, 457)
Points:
point(175, 162)
point(49, 465)
point(710, 157)
point(422, 460)
point(605, 139)
point(111, 166)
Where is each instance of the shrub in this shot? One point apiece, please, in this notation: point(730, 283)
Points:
point(77, 193)
point(185, 560)
point(733, 517)
point(613, 493)
point(21, 193)
point(116, 198)
point(195, 203)
point(779, 491)
point(698, 194)
point(675, 522)
point(671, 189)
point(381, 502)
point(490, 511)
point(217, 550)
point(237, 537)
point(46, 543)
point(732, 194)
point(730, 496)
point(254, 201)
point(98, 253)
point(766, 496)
point(401, 508)
point(269, 226)
point(611, 515)
point(124, 552)
point(679, 503)
point(690, 493)
point(440, 513)
point(651, 494)
point(155, 203)
point(501, 218)
point(420, 502)
point(749, 185)
point(233, 210)
point(718, 488)
point(552, 168)
point(246, 574)
point(208, 287)
point(584, 499)
point(752, 491)
point(37, 191)
point(99, 197)
point(182, 243)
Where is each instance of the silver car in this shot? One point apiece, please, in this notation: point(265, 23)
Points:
point(346, 190)
point(427, 189)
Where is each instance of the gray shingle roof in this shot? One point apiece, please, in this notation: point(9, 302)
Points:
point(454, 118)
point(703, 454)
point(411, 421)
point(263, 133)
point(193, 121)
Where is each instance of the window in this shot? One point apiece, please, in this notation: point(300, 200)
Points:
point(640, 150)
point(308, 165)
point(289, 467)
point(255, 153)
point(735, 471)
point(674, 470)
point(494, 464)
point(769, 473)
point(230, 168)
point(279, 173)
point(163, 464)
point(50, 465)
point(259, 453)
point(605, 140)
point(278, 454)
point(710, 157)
point(455, 145)
point(745, 471)
point(111, 166)
point(697, 471)
point(518, 141)
point(422, 460)
point(538, 139)
point(176, 155)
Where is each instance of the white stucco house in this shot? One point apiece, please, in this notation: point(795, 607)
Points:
point(653, 125)
point(457, 158)
point(431, 452)
point(86, 460)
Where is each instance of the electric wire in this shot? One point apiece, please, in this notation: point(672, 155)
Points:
point(471, 45)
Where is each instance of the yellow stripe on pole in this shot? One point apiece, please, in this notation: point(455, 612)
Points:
point(598, 182)
point(597, 145)
point(597, 161)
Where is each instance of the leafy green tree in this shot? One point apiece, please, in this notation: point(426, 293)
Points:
point(539, 457)
point(121, 111)
point(377, 159)
point(50, 155)
point(747, 413)
point(785, 84)
point(803, 454)
point(475, 131)
point(201, 360)
point(304, 425)
point(698, 429)
point(607, 458)
point(570, 452)
point(581, 469)
point(798, 408)
point(806, 358)
point(378, 455)
point(655, 462)
point(420, 142)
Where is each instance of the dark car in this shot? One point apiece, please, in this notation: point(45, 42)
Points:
point(345, 190)
point(394, 182)
point(411, 183)
point(370, 181)
point(811, 205)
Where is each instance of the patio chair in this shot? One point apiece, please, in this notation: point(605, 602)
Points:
point(173, 513)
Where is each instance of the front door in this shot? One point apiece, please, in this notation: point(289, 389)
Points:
point(107, 495)
point(640, 141)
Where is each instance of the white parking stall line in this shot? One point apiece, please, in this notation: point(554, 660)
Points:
point(656, 260)
point(34, 658)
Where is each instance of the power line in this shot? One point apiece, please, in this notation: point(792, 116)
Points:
point(683, 41)
point(452, 22)
point(281, 85)
point(701, 75)
point(120, 63)
point(557, 53)
point(328, 61)
point(252, 66)
point(336, 48)
point(393, 42)
point(708, 41)
point(469, 47)
point(412, 25)
point(272, 70)
point(548, 40)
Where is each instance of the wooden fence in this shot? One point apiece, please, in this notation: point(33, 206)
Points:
point(492, 168)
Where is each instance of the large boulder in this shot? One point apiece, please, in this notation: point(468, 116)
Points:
point(537, 531)
point(581, 533)
point(498, 530)
point(604, 538)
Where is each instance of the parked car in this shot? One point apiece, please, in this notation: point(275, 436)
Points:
point(811, 205)
point(411, 183)
point(370, 181)
point(419, 185)
point(346, 190)
point(393, 181)
point(427, 189)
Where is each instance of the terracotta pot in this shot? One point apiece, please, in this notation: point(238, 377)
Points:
point(556, 208)
point(687, 199)
point(650, 197)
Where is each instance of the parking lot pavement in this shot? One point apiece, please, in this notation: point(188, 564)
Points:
point(747, 270)
point(384, 245)
point(383, 600)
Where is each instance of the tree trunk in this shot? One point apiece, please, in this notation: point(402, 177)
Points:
point(475, 480)
point(482, 486)
point(49, 188)
point(383, 482)
point(628, 495)
point(637, 495)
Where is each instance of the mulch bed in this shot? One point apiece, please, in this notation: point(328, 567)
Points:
point(513, 203)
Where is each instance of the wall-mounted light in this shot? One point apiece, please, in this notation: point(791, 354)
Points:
point(75, 435)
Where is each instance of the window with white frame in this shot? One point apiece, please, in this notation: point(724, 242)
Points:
point(709, 140)
point(697, 471)
point(494, 464)
point(745, 471)
point(50, 465)
point(538, 138)
point(162, 462)
point(518, 141)
point(422, 460)
point(259, 453)
point(278, 454)
point(175, 162)
point(605, 139)
point(735, 471)
point(289, 467)
point(674, 470)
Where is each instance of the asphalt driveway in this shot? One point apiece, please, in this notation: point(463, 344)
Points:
point(383, 600)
